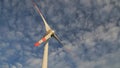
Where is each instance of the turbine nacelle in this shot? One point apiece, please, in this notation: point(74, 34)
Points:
point(49, 34)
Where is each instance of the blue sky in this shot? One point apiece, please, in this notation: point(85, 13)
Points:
point(89, 30)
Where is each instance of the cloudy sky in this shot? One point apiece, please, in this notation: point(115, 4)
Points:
point(89, 30)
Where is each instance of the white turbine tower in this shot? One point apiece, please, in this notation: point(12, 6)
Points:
point(49, 33)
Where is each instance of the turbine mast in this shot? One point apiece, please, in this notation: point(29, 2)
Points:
point(45, 56)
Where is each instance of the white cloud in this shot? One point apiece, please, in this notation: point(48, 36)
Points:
point(33, 63)
point(86, 2)
point(107, 61)
point(108, 33)
point(4, 65)
point(18, 65)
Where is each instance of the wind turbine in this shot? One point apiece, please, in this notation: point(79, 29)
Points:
point(49, 33)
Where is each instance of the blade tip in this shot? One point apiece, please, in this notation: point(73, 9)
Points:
point(37, 44)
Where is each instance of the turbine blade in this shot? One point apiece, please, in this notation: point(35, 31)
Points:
point(56, 37)
point(47, 27)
